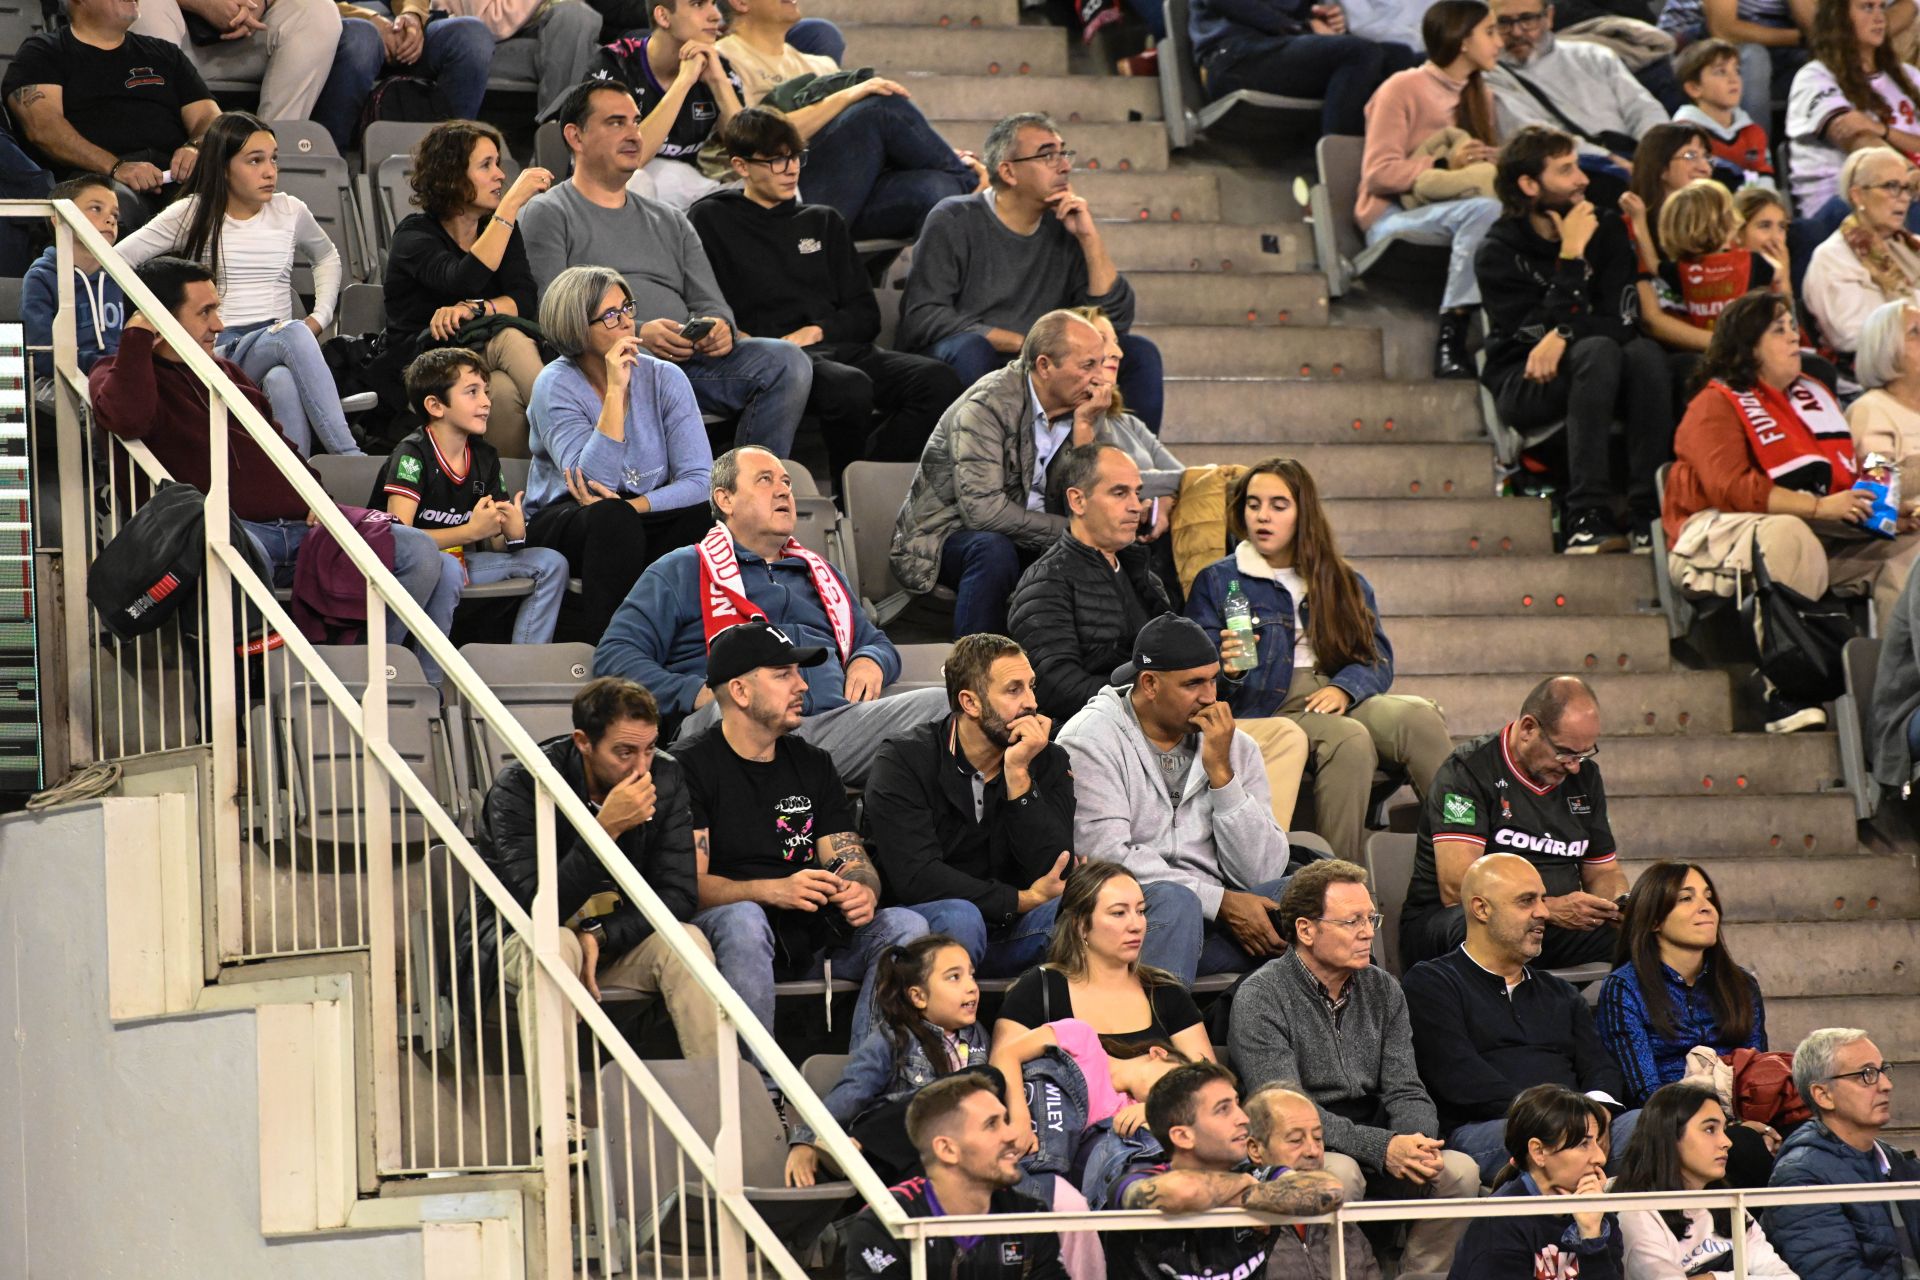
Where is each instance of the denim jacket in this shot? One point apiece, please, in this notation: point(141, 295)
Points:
point(1262, 690)
point(875, 1074)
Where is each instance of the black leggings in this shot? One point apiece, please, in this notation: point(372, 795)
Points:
point(608, 545)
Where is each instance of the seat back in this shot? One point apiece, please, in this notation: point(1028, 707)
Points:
point(550, 150)
point(384, 138)
point(813, 522)
point(302, 138)
point(873, 493)
point(1180, 91)
point(325, 185)
point(923, 665)
point(18, 20)
point(823, 1071)
point(12, 294)
point(804, 485)
point(1390, 861)
point(1853, 723)
point(537, 683)
point(1338, 159)
point(349, 478)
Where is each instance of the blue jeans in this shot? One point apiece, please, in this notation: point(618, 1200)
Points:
point(763, 384)
point(1342, 71)
point(539, 609)
point(973, 358)
point(1218, 952)
point(1004, 952)
point(1761, 67)
point(982, 568)
point(1460, 224)
point(283, 358)
point(456, 57)
point(1485, 1142)
point(883, 167)
point(742, 938)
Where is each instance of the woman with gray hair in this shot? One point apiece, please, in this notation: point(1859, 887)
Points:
point(621, 463)
point(1886, 420)
point(1872, 259)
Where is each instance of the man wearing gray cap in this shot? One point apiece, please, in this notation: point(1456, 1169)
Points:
point(1167, 787)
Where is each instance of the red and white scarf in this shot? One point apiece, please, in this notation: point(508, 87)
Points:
point(1800, 429)
point(724, 602)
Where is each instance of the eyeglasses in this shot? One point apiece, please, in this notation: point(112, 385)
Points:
point(1564, 756)
point(1047, 155)
point(780, 164)
point(1890, 187)
point(1868, 1076)
point(611, 317)
point(1692, 155)
point(1353, 923)
point(1512, 20)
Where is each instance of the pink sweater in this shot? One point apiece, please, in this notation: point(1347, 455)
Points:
point(1404, 112)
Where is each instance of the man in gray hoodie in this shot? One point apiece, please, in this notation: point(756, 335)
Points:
point(1165, 786)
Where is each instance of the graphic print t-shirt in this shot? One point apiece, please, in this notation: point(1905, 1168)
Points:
point(762, 817)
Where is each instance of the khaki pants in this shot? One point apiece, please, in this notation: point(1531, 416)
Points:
point(514, 359)
point(1348, 749)
point(1812, 558)
point(1430, 1244)
point(290, 58)
point(1283, 750)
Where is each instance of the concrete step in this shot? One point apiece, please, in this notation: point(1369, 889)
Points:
point(1463, 527)
point(1072, 101)
point(1513, 586)
point(1097, 146)
point(959, 51)
point(951, 13)
point(1183, 194)
point(1257, 411)
point(1207, 248)
point(1756, 888)
point(1225, 351)
point(1668, 702)
point(1892, 1021)
point(1526, 646)
point(1739, 764)
point(1175, 297)
point(1680, 826)
point(1839, 958)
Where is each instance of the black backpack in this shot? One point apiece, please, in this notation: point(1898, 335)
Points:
point(407, 99)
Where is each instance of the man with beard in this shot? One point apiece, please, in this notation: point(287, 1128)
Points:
point(972, 815)
point(1486, 1026)
point(1563, 338)
point(971, 1155)
point(786, 887)
point(1167, 787)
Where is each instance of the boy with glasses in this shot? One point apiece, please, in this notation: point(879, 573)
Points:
point(1531, 789)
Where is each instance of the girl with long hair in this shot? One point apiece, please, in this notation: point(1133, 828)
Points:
point(1427, 170)
point(1557, 1146)
point(234, 218)
point(1681, 1143)
point(1854, 93)
point(1322, 658)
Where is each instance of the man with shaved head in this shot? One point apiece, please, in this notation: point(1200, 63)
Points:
point(1284, 1132)
point(1531, 789)
point(1487, 1026)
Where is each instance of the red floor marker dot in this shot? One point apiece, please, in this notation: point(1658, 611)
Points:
point(1559, 602)
point(1414, 487)
point(1808, 841)
point(1685, 717)
point(1339, 370)
point(1526, 602)
point(976, 22)
point(1506, 544)
point(1650, 717)
point(1839, 904)
point(1357, 424)
point(1593, 660)
point(1306, 371)
point(1620, 661)
point(1473, 544)
point(1873, 904)
point(945, 21)
point(1447, 486)
point(1741, 782)
point(1253, 317)
point(1024, 68)
point(1175, 215)
point(993, 68)
point(1126, 166)
point(1388, 424)
point(1145, 214)
point(1091, 164)
point(1706, 783)
point(1286, 317)
point(1773, 842)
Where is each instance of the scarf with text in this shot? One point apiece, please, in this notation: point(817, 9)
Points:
point(724, 602)
point(1798, 436)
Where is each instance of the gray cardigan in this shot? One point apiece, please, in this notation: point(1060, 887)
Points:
point(1283, 1032)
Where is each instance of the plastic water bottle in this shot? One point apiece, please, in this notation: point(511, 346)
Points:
point(1239, 613)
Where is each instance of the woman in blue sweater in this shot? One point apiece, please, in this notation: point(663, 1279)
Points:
point(1327, 668)
point(621, 462)
point(1557, 1141)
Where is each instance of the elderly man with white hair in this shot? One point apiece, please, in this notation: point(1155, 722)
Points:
point(1886, 420)
point(1843, 1076)
point(1871, 259)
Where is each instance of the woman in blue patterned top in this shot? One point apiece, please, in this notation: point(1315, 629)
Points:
point(1676, 984)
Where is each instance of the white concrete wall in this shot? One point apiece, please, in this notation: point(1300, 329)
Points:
point(131, 1151)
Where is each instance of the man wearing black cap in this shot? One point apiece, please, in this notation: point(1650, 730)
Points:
point(1167, 787)
point(786, 887)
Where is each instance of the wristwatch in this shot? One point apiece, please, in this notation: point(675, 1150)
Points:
point(1563, 332)
point(593, 926)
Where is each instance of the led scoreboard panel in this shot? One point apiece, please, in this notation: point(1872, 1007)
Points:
point(22, 761)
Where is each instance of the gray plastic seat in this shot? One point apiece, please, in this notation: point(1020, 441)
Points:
point(1339, 243)
point(1183, 100)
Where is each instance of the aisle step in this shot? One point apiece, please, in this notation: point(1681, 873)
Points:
point(1175, 297)
point(1630, 644)
point(1840, 958)
point(1892, 1022)
point(1819, 826)
point(1462, 527)
point(1738, 764)
point(961, 51)
point(941, 13)
point(1524, 586)
point(1430, 472)
point(1097, 145)
point(1758, 888)
point(1663, 702)
point(1230, 351)
point(1072, 101)
point(1232, 411)
point(1186, 194)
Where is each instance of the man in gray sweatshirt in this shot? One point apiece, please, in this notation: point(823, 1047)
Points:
point(1324, 1021)
point(1165, 786)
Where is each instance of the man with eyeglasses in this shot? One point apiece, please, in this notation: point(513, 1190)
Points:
point(1324, 1020)
point(989, 265)
point(1843, 1076)
point(1532, 789)
point(1575, 85)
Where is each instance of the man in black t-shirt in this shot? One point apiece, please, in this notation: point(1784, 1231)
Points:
point(95, 98)
point(1531, 789)
point(786, 887)
point(685, 89)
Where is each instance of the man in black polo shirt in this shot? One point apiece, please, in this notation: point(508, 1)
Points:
point(1486, 1026)
point(1532, 789)
point(685, 89)
point(972, 815)
point(94, 97)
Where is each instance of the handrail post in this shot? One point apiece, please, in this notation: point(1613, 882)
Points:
point(728, 1165)
point(220, 647)
point(1339, 1247)
point(383, 952)
point(1737, 1234)
point(551, 1028)
point(76, 508)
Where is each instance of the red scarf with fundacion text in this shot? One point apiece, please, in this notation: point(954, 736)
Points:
point(724, 602)
point(1798, 436)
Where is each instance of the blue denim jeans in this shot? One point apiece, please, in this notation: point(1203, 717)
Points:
point(1459, 224)
point(1004, 952)
point(456, 56)
point(973, 358)
point(982, 568)
point(742, 938)
point(1485, 1142)
point(540, 608)
point(762, 384)
point(1342, 71)
point(883, 167)
point(283, 358)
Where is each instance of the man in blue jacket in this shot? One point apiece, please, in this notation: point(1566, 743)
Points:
point(1843, 1077)
point(751, 565)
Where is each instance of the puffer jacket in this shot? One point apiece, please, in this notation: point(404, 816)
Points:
point(974, 474)
point(660, 850)
point(1076, 624)
point(1851, 1241)
point(1261, 691)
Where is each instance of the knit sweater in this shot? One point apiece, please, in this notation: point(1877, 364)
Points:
point(1712, 465)
point(649, 243)
point(1359, 1070)
point(1404, 112)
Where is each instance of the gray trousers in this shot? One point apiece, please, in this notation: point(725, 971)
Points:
point(851, 734)
point(290, 59)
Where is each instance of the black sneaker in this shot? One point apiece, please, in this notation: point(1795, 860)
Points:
point(1450, 358)
point(1790, 717)
point(1640, 541)
point(1593, 531)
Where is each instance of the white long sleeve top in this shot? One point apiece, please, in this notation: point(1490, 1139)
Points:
point(256, 258)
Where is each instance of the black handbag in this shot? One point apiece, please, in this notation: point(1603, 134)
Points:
point(1799, 640)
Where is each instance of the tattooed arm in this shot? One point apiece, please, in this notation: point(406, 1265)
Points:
point(859, 894)
point(805, 890)
point(1293, 1195)
point(41, 111)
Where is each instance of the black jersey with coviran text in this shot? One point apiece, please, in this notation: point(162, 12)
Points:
point(417, 469)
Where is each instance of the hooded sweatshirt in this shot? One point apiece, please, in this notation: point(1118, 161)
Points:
point(787, 267)
point(1208, 842)
point(99, 309)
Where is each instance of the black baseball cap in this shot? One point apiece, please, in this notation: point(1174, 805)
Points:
point(748, 646)
point(1168, 643)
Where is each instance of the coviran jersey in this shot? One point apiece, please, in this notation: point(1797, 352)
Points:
point(1483, 796)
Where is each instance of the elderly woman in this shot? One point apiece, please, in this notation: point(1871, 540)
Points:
point(1886, 420)
point(621, 463)
point(1871, 259)
point(1764, 458)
